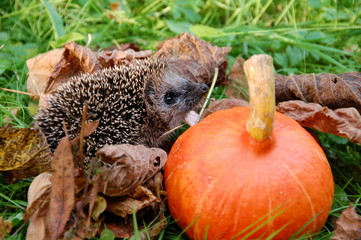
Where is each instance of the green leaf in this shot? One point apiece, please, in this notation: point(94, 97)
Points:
point(315, 36)
point(340, 197)
point(3, 37)
point(191, 14)
point(4, 64)
point(319, 3)
point(185, 10)
point(178, 27)
point(55, 19)
point(295, 55)
point(281, 59)
point(70, 37)
point(205, 31)
point(107, 234)
point(338, 139)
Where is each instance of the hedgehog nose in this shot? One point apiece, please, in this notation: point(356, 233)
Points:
point(203, 87)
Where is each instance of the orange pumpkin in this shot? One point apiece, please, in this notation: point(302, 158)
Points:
point(223, 183)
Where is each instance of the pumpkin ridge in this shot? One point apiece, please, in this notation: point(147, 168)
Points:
point(270, 222)
point(299, 183)
point(198, 209)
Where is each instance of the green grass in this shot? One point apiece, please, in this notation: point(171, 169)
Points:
point(303, 36)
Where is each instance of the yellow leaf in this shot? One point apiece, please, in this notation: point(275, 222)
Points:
point(24, 153)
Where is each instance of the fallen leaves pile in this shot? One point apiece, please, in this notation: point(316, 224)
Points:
point(68, 201)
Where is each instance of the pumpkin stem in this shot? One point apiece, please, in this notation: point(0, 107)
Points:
point(261, 82)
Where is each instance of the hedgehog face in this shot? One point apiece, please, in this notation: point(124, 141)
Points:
point(174, 97)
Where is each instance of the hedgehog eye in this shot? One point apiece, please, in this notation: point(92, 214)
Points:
point(169, 98)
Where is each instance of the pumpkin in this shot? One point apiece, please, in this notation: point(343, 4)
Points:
point(249, 173)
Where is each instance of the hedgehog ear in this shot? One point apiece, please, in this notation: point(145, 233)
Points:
point(149, 92)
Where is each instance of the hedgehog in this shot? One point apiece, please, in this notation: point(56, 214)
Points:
point(134, 104)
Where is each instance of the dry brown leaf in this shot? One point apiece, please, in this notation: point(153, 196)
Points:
point(225, 104)
point(41, 68)
point(238, 81)
point(81, 223)
point(195, 59)
point(90, 127)
point(24, 153)
point(87, 58)
point(344, 122)
point(141, 197)
point(126, 46)
point(333, 91)
point(87, 128)
point(91, 196)
point(38, 206)
point(49, 70)
point(348, 226)
point(155, 184)
point(120, 230)
point(82, 231)
point(119, 57)
point(5, 228)
point(62, 189)
point(132, 166)
point(38, 194)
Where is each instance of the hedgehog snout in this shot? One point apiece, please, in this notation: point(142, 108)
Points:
point(200, 88)
point(203, 88)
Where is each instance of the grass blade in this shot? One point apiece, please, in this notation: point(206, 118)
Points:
point(55, 19)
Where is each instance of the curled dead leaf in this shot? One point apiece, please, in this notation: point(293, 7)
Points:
point(333, 91)
point(24, 153)
point(87, 58)
point(140, 198)
point(49, 70)
point(132, 165)
point(38, 193)
point(348, 226)
point(344, 122)
point(38, 206)
point(195, 59)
